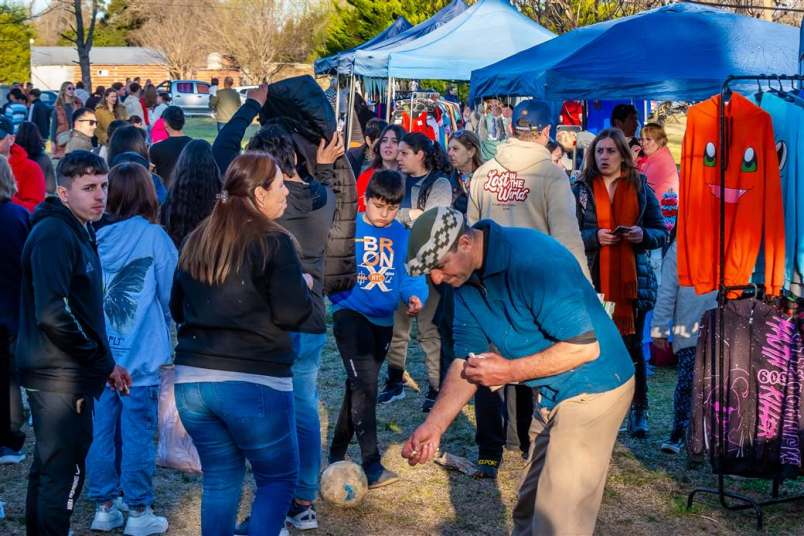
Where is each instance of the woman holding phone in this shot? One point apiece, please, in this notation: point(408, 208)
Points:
point(620, 223)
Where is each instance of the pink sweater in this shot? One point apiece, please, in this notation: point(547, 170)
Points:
point(660, 169)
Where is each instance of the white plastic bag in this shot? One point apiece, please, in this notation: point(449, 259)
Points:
point(176, 449)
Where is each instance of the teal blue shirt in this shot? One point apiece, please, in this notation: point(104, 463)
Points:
point(529, 295)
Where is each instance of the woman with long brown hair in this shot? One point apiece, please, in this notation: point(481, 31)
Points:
point(62, 119)
point(620, 223)
point(107, 111)
point(138, 260)
point(237, 292)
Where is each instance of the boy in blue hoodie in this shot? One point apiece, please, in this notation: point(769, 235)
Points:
point(364, 318)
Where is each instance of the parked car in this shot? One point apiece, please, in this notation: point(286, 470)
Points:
point(49, 97)
point(192, 96)
point(243, 91)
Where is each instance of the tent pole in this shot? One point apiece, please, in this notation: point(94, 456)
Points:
point(337, 97)
point(388, 101)
point(349, 108)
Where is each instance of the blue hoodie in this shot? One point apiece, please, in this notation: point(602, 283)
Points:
point(382, 280)
point(138, 260)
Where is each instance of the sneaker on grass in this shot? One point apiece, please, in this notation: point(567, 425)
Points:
point(302, 516)
point(10, 457)
point(391, 393)
point(107, 518)
point(145, 523)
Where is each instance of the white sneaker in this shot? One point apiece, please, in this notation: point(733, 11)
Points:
point(145, 523)
point(107, 518)
point(11, 457)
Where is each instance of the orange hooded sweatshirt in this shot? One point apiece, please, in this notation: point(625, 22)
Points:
point(753, 198)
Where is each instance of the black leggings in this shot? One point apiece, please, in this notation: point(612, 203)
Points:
point(363, 346)
point(634, 344)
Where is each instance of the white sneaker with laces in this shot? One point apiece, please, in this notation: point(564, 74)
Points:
point(107, 518)
point(304, 518)
point(145, 523)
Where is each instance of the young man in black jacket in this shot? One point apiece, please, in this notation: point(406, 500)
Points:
point(63, 356)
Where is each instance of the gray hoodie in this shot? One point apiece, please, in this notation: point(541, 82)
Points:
point(521, 187)
point(678, 309)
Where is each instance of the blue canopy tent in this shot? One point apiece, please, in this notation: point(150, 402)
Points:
point(484, 33)
point(676, 52)
point(443, 16)
point(330, 63)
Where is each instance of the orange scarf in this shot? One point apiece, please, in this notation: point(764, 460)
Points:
point(618, 273)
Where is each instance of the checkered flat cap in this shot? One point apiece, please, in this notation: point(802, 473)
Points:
point(431, 238)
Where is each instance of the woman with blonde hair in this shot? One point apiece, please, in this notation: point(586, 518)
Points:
point(620, 223)
point(656, 162)
point(238, 291)
point(61, 122)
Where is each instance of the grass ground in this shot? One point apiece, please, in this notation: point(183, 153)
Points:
point(645, 494)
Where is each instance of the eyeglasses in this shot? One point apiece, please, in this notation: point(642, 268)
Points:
point(92, 122)
point(69, 89)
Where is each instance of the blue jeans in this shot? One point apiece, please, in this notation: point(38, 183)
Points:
point(230, 422)
point(133, 419)
point(307, 347)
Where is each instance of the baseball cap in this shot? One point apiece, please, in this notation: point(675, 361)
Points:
point(6, 127)
point(431, 238)
point(531, 115)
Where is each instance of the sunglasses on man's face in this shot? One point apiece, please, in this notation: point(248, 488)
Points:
point(92, 122)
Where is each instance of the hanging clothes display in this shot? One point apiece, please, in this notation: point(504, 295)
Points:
point(787, 114)
point(434, 117)
point(762, 405)
point(753, 199)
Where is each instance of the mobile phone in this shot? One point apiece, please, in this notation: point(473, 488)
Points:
point(621, 230)
point(341, 125)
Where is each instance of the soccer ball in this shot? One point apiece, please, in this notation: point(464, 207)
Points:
point(344, 484)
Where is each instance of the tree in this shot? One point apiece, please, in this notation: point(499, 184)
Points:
point(15, 51)
point(261, 34)
point(355, 21)
point(176, 34)
point(81, 32)
point(561, 16)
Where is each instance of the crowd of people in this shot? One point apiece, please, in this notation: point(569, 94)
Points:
point(144, 247)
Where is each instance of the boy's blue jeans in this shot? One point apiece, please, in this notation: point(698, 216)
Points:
point(308, 348)
point(136, 415)
point(229, 423)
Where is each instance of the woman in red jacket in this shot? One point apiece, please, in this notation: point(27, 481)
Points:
point(385, 151)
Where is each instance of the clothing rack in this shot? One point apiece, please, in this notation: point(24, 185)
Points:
point(718, 420)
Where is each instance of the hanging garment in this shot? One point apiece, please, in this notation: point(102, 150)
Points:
point(753, 198)
point(788, 122)
point(761, 412)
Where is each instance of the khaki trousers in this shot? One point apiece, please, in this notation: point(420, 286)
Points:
point(428, 337)
point(570, 451)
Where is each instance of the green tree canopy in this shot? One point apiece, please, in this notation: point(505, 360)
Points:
point(15, 49)
point(356, 21)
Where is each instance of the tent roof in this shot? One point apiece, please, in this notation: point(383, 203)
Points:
point(97, 56)
point(677, 52)
point(484, 33)
point(330, 63)
point(443, 16)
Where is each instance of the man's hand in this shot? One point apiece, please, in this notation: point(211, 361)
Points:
point(328, 153)
point(414, 306)
point(422, 445)
point(607, 238)
point(120, 380)
point(259, 94)
point(489, 369)
point(660, 343)
point(635, 235)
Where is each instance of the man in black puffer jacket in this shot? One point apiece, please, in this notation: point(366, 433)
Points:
point(62, 353)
